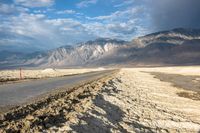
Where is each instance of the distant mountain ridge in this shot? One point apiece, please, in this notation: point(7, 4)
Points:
point(80, 54)
point(174, 47)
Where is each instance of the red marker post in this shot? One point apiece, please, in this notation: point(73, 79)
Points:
point(20, 73)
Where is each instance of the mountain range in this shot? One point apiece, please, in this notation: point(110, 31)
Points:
point(175, 47)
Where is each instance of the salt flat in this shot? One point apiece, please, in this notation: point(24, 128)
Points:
point(13, 75)
point(132, 100)
point(136, 101)
point(183, 70)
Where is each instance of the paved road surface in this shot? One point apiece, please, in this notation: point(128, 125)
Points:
point(21, 92)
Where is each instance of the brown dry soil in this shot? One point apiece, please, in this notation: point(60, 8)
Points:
point(191, 83)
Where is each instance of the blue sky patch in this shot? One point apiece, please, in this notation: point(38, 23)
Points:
point(47, 24)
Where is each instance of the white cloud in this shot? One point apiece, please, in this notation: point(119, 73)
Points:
point(122, 30)
point(11, 9)
point(39, 31)
point(86, 3)
point(63, 21)
point(40, 11)
point(125, 3)
point(125, 14)
point(66, 12)
point(125, 24)
point(7, 9)
point(34, 3)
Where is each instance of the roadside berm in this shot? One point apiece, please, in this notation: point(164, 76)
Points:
point(128, 101)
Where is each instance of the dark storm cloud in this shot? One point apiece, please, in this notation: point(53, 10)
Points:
point(168, 14)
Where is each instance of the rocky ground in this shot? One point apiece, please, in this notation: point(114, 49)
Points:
point(130, 101)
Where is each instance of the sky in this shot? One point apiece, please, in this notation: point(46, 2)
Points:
point(32, 25)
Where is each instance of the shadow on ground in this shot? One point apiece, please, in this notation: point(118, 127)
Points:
point(108, 120)
point(93, 124)
point(104, 117)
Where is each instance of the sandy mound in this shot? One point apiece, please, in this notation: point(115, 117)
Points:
point(48, 70)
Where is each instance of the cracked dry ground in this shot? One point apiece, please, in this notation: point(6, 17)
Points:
point(131, 101)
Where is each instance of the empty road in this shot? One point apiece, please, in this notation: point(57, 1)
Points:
point(22, 92)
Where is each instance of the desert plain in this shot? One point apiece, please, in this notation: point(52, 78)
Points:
point(156, 99)
point(27, 74)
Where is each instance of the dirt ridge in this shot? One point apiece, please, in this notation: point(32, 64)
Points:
point(37, 116)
